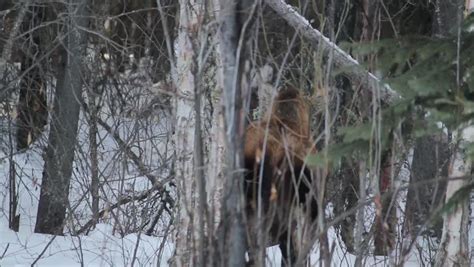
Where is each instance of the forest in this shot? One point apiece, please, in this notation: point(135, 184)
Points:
point(236, 132)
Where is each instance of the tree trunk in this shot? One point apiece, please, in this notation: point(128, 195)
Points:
point(32, 103)
point(62, 138)
point(93, 154)
point(430, 163)
point(215, 175)
point(9, 31)
point(454, 246)
point(13, 218)
point(234, 20)
point(188, 236)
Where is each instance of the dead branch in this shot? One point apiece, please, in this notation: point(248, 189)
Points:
point(158, 185)
point(142, 169)
point(122, 201)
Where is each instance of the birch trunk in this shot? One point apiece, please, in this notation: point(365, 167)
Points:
point(215, 177)
point(186, 84)
point(216, 167)
point(454, 246)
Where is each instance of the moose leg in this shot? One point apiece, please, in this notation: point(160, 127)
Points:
point(288, 252)
point(252, 259)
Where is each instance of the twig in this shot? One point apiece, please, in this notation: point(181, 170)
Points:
point(125, 200)
point(44, 250)
point(5, 251)
point(163, 242)
point(142, 169)
point(135, 250)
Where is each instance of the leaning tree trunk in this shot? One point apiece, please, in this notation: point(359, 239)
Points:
point(62, 138)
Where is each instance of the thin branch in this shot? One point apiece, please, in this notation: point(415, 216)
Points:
point(44, 250)
point(125, 200)
point(142, 169)
point(158, 185)
point(341, 59)
point(5, 251)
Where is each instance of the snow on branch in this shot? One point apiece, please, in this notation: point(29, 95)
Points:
point(341, 59)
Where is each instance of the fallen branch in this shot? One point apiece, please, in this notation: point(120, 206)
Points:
point(340, 58)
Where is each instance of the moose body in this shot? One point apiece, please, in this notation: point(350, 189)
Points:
point(277, 180)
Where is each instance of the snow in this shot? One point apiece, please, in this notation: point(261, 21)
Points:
point(103, 246)
point(106, 244)
point(99, 248)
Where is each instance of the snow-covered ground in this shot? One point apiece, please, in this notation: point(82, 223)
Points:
point(113, 242)
point(101, 247)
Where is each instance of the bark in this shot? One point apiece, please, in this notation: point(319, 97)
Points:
point(454, 246)
point(359, 248)
point(215, 176)
point(201, 205)
point(93, 131)
point(62, 138)
point(10, 26)
point(385, 218)
point(7, 46)
point(446, 20)
point(430, 163)
point(13, 218)
point(188, 235)
point(216, 154)
point(234, 20)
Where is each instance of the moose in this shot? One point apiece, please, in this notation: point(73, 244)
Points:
point(277, 178)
